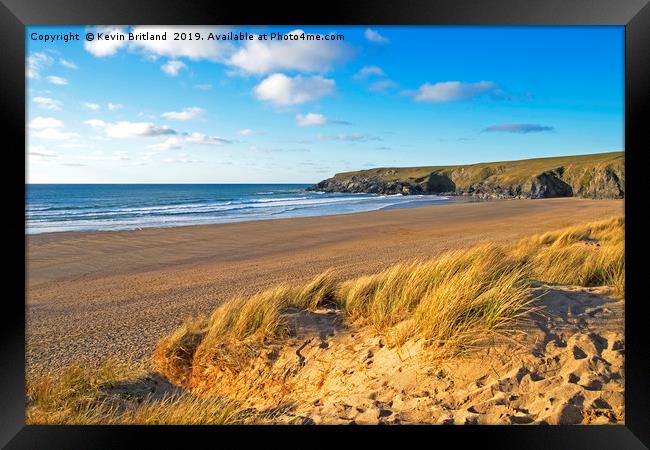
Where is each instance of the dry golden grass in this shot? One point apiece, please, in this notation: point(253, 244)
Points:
point(174, 353)
point(227, 337)
point(451, 302)
point(260, 315)
point(584, 255)
point(81, 395)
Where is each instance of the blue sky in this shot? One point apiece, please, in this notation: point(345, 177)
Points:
point(207, 111)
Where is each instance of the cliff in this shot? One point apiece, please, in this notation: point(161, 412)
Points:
point(591, 176)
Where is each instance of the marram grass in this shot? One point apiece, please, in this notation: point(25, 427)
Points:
point(77, 396)
point(451, 302)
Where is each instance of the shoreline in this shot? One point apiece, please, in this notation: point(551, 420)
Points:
point(457, 199)
point(91, 295)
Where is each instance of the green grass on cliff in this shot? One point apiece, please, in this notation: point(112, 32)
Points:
point(506, 172)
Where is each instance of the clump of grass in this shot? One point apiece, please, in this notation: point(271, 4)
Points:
point(186, 409)
point(467, 308)
point(616, 276)
point(388, 297)
point(585, 255)
point(449, 290)
point(174, 353)
point(78, 395)
point(259, 316)
point(73, 394)
point(451, 301)
point(238, 327)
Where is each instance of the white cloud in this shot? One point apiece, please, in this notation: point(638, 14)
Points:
point(448, 91)
point(92, 106)
point(174, 139)
point(261, 57)
point(382, 85)
point(146, 115)
point(114, 106)
point(374, 37)
point(95, 123)
point(283, 90)
point(57, 80)
point(36, 62)
point(48, 103)
point(367, 71)
point(200, 138)
point(203, 87)
point(125, 129)
point(310, 119)
point(172, 68)
point(253, 57)
point(132, 129)
point(246, 132)
point(171, 143)
point(67, 63)
point(102, 47)
point(176, 142)
point(55, 134)
point(186, 114)
point(39, 123)
point(211, 50)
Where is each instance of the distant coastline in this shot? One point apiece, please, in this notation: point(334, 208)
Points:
point(599, 175)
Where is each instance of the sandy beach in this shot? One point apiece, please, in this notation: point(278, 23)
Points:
point(93, 295)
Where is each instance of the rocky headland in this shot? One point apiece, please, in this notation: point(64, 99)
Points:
point(598, 176)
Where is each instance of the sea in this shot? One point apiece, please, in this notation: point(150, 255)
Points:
point(104, 207)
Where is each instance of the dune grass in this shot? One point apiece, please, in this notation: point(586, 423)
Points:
point(583, 255)
point(79, 395)
point(451, 302)
point(243, 320)
point(384, 299)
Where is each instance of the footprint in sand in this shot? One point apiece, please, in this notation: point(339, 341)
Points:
point(578, 353)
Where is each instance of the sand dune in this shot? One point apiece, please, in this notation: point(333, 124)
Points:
point(329, 373)
point(564, 365)
point(571, 375)
point(95, 295)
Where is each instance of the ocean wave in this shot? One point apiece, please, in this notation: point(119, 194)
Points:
point(201, 208)
point(42, 218)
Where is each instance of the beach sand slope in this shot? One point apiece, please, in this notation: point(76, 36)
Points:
point(565, 365)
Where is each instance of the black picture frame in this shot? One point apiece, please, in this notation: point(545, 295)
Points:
point(15, 15)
